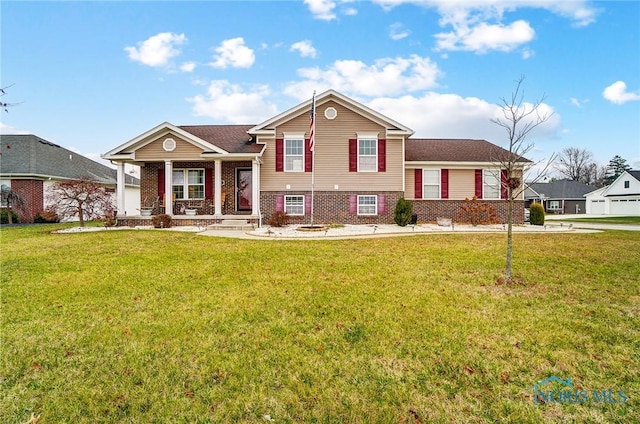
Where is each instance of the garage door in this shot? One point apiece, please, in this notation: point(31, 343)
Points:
point(596, 207)
point(625, 207)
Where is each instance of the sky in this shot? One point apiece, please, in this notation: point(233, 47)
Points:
point(91, 75)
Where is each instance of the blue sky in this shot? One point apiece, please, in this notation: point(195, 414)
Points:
point(92, 75)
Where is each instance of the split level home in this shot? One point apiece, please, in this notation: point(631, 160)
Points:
point(360, 164)
point(30, 165)
point(622, 197)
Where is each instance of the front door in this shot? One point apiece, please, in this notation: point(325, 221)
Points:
point(244, 189)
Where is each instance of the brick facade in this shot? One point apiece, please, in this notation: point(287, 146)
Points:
point(430, 210)
point(332, 207)
point(33, 193)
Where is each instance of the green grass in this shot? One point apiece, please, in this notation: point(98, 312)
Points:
point(152, 326)
point(608, 220)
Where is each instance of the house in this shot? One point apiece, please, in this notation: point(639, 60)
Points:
point(622, 197)
point(30, 165)
point(362, 162)
point(558, 197)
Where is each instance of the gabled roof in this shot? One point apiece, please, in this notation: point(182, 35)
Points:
point(27, 155)
point(304, 108)
point(232, 138)
point(454, 150)
point(562, 189)
point(611, 188)
point(635, 174)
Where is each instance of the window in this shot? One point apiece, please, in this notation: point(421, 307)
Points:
point(294, 205)
point(491, 184)
point(188, 183)
point(367, 205)
point(5, 186)
point(554, 204)
point(367, 155)
point(431, 184)
point(626, 184)
point(294, 155)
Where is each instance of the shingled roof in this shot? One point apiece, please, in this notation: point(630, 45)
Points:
point(453, 150)
point(562, 189)
point(232, 138)
point(27, 155)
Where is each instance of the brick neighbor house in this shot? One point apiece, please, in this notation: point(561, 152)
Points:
point(361, 164)
point(30, 165)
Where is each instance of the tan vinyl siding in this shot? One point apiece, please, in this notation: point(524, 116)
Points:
point(154, 151)
point(332, 155)
point(462, 183)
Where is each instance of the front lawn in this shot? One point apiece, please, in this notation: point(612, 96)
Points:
point(156, 326)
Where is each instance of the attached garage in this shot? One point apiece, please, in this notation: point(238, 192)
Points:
point(622, 206)
point(622, 197)
point(596, 207)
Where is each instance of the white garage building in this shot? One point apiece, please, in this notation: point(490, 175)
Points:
point(622, 197)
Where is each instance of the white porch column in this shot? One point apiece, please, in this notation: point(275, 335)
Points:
point(255, 184)
point(217, 194)
point(120, 189)
point(168, 187)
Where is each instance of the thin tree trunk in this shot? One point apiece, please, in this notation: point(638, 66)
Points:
point(81, 214)
point(509, 262)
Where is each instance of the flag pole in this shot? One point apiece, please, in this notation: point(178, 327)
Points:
point(312, 136)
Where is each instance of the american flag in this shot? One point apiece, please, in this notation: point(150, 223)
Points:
point(312, 126)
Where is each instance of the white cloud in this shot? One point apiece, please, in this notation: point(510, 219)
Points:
point(8, 129)
point(350, 11)
point(387, 76)
point(231, 103)
point(435, 115)
point(486, 37)
point(322, 9)
point(157, 50)
point(305, 48)
point(188, 67)
point(527, 53)
point(397, 31)
point(233, 52)
point(617, 93)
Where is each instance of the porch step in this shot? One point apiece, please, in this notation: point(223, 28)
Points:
point(232, 224)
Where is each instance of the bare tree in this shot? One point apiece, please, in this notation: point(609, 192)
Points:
point(82, 198)
point(575, 163)
point(4, 105)
point(595, 174)
point(14, 202)
point(518, 120)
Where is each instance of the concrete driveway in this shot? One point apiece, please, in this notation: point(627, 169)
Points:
point(591, 225)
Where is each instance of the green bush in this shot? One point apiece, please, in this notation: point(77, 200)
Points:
point(4, 217)
point(536, 214)
point(161, 221)
point(402, 213)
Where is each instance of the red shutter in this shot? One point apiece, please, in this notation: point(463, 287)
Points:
point(444, 183)
point(353, 204)
point(307, 205)
point(308, 156)
point(382, 155)
point(161, 184)
point(418, 184)
point(479, 183)
point(279, 203)
point(504, 190)
point(382, 204)
point(208, 183)
point(353, 155)
point(279, 155)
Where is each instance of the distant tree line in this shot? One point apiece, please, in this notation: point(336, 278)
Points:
point(578, 165)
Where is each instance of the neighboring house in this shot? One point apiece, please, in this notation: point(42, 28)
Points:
point(622, 197)
point(362, 163)
point(30, 165)
point(559, 197)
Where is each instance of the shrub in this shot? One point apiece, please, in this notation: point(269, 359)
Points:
point(47, 216)
point(536, 214)
point(161, 221)
point(403, 212)
point(477, 213)
point(278, 219)
point(4, 217)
